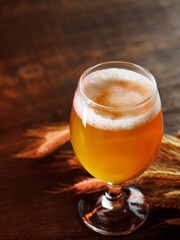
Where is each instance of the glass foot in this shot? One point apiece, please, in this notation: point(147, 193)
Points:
point(117, 215)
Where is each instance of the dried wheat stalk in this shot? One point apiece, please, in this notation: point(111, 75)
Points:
point(175, 221)
point(47, 140)
point(82, 186)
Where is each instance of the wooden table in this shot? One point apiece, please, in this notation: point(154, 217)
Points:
point(44, 47)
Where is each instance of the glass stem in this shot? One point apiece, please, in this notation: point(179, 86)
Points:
point(113, 192)
point(113, 198)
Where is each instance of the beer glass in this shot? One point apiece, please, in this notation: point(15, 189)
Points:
point(116, 129)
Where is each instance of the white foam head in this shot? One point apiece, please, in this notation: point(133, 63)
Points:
point(113, 90)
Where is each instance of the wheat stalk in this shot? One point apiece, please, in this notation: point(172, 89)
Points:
point(175, 221)
point(47, 140)
point(83, 186)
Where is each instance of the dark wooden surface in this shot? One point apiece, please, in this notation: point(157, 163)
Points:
point(44, 47)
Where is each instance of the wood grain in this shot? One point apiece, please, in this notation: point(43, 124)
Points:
point(44, 48)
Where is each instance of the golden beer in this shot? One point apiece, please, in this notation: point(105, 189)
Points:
point(116, 156)
point(115, 143)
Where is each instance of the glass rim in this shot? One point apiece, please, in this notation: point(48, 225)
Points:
point(124, 108)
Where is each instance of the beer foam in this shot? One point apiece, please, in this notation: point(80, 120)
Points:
point(117, 88)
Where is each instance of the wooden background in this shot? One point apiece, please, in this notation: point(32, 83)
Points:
point(45, 45)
